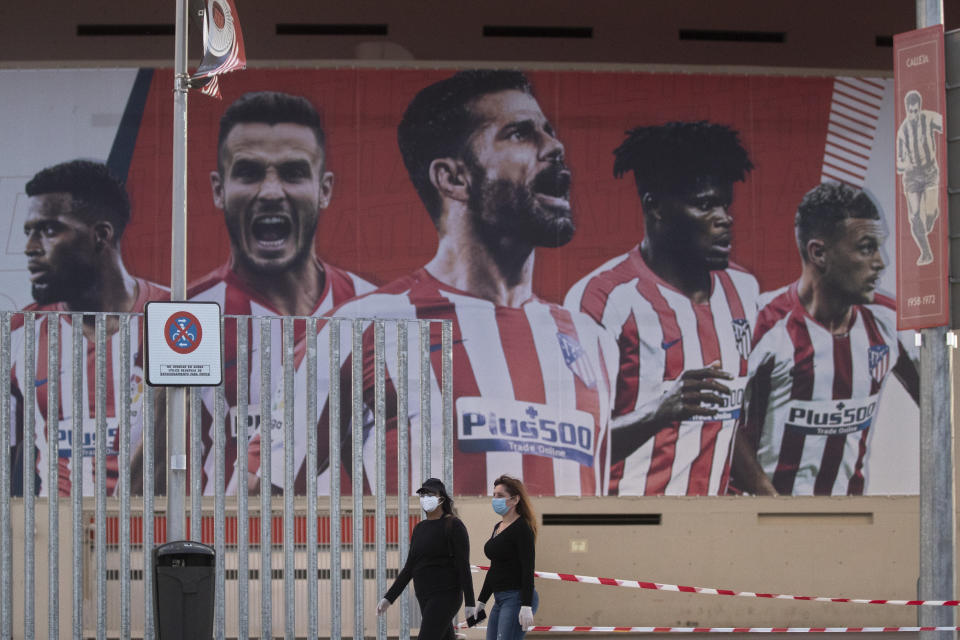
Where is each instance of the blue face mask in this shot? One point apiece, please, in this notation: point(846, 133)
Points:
point(500, 506)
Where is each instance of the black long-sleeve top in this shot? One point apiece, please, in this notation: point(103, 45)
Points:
point(439, 560)
point(512, 556)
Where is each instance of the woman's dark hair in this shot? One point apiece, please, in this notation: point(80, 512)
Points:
point(524, 507)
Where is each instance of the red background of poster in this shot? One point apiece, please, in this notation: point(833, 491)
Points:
point(376, 225)
point(922, 291)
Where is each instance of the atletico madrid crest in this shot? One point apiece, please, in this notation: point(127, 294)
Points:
point(575, 358)
point(741, 332)
point(879, 359)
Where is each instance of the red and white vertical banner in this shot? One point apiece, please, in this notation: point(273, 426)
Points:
point(921, 165)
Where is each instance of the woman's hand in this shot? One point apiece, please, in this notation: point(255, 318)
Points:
point(526, 617)
point(382, 606)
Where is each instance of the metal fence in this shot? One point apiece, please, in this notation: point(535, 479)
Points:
point(315, 563)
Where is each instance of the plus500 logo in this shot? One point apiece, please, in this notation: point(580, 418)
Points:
point(543, 430)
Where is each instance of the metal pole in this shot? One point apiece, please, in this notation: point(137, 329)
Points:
point(356, 454)
point(177, 396)
point(379, 417)
point(936, 450)
point(336, 538)
point(403, 466)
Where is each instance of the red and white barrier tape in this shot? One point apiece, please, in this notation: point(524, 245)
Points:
point(657, 586)
point(740, 629)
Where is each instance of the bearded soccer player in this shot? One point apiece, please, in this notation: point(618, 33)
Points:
point(530, 381)
point(271, 182)
point(920, 174)
point(823, 349)
point(680, 311)
point(76, 216)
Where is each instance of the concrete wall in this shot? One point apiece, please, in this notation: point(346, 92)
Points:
point(852, 547)
point(843, 547)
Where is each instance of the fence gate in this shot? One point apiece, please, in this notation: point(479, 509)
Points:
point(307, 412)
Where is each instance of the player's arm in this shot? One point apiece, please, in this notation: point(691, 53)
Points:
point(906, 372)
point(16, 446)
point(936, 121)
point(747, 473)
point(684, 399)
point(903, 161)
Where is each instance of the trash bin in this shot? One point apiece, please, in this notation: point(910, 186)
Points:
point(183, 579)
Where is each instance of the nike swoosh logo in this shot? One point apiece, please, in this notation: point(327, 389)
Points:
point(667, 345)
point(437, 347)
point(40, 383)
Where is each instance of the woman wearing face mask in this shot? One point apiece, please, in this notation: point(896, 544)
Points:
point(439, 563)
point(512, 554)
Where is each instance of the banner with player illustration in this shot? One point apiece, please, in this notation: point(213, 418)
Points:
point(660, 283)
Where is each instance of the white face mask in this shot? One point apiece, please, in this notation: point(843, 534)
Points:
point(429, 503)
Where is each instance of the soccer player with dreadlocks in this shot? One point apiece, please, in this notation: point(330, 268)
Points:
point(681, 312)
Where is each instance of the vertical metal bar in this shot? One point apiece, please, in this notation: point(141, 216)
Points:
point(266, 515)
point(196, 467)
point(937, 525)
point(77, 361)
point(177, 396)
point(403, 467)
point(311, 429)
point(53, 455)
point(123, 466)
point(176, 463)
point(336, 575)
point(6, 530)
point(357, 488)
point(100, 474)
point(219, 517)
point(29, 470)
point(936, 483)
point(243, 514)
point(929, 12)
point(379, 425)
point(289, 562)
point(149, 438)
point(447, 391)
point(426, 426)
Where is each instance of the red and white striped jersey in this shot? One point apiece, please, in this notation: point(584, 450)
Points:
point(237, 298)
point(661, 334)
point(531, 391)
point(147, 291)
point(917, 139)
point(813, 395)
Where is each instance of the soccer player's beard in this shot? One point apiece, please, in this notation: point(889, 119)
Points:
point(507, 214)
point(76, 282)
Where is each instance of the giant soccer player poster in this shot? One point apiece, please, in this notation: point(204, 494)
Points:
point(658, 283)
